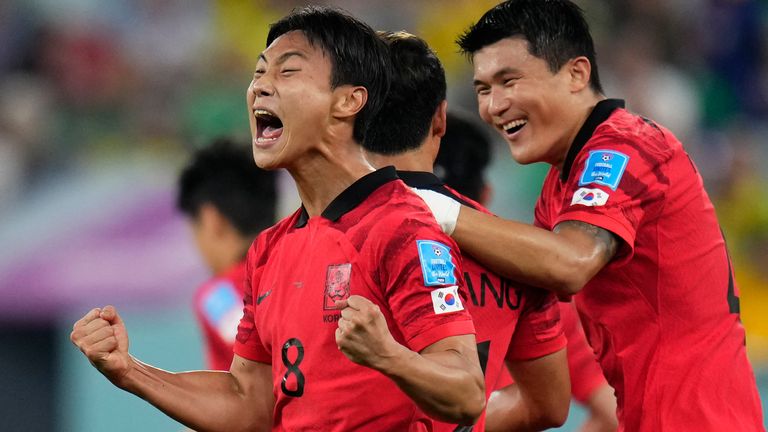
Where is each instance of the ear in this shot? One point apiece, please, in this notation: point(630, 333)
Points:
point(439, 121)
point(349, 100)
point(211, 220)
point(579, 72)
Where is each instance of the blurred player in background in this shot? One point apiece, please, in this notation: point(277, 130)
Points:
point(353, 318)
point(228, 200)
point(464, 154)
point(521, 326)
point(623, 219)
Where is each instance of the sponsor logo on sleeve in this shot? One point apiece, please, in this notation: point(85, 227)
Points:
point(436, 263)
point(336, 284)
point(223, 309)
point(604, 167)
point(445, 300)
point(589, 197)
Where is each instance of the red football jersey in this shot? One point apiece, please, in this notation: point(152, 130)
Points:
point(378, 240)
point(585, 372)
point(663, 315)
point(510, 321)
point(218, 306)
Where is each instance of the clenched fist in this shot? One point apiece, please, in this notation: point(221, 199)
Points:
point(363, 335)
point(102, 337)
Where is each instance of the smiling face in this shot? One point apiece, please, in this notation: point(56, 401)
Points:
point(289, 99)
point(531, 107)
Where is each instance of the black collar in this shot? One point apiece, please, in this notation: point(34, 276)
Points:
point(599, 114)
point(352, 196)
point(427, 180)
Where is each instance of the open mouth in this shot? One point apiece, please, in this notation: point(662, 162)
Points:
point(269, 127)
point(514, 126)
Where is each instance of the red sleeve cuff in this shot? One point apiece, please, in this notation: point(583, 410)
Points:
point(442, 331)
point(530, 352)
point(252, 353)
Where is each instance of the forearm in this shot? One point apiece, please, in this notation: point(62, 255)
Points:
point(202, 400)
point(507, 410)
point(443, 384)
point(525, 253)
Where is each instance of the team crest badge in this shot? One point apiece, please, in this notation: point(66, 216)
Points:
point(336, 284)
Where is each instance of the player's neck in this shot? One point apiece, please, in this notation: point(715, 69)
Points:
point(412, 160)
point(586, 104)
point(327, 171)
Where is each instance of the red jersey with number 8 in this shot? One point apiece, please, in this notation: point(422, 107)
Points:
point(378, 240)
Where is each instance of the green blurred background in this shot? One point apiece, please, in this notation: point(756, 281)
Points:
point(101, 102)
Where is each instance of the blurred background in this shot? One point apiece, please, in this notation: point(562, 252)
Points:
point(102, 102)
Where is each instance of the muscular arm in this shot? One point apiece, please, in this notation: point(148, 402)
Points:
point(238, 400)
point(562, 261)
point(539, 398)
point(444, 379)
point(602, 411)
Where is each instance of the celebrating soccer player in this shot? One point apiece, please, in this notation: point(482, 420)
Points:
point(228, 200)
point(514, 324)
point(464, 153)
point(623, 219)
point(354, 312)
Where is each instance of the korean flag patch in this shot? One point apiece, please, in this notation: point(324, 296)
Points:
point(436, 263)
point(604, 167)
point(590, 197)
point(445, 300)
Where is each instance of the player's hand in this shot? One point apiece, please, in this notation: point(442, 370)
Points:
point(443, 208)
point(102, 337)
point(363, 335)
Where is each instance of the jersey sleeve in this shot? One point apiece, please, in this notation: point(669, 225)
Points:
point(586, 375)
point(247, 343)
point(423, 284)
point(613, 184)
point(539, 331)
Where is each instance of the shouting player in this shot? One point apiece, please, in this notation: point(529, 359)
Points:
point(518, 325)
point(353, 315)
point(228, 201)
point(623, 219)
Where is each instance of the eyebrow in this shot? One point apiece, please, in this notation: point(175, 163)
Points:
point(501, 72)
point(284, 56)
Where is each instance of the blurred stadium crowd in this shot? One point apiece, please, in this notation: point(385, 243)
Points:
point(100, 102)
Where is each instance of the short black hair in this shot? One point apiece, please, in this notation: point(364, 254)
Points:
point(464, 154)
point(225, 175)
point(555, 30)
point(358, 57)
point(418, 87)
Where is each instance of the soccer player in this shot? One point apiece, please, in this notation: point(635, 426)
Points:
point(464, 153)
point(623, 219)
point(353, 317)
point(228, 200)
point(514, 324)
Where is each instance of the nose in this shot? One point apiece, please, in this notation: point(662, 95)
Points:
point(261, 87)
point(498, 102)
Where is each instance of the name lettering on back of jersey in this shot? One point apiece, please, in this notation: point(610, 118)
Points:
point(503, 293)
point(604, 167)
point(336, 284)
point(589, 197)
point(223, 308)
point(445, 300)
point(436, 263)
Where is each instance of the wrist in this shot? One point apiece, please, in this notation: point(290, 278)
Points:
point(391, 363)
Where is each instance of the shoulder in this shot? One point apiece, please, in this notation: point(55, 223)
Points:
point(633, 135)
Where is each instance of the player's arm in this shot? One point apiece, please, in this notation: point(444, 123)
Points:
point(602, 411)
point(539, 398)
point(563, 260)
point(444, 378)
point(238, 400)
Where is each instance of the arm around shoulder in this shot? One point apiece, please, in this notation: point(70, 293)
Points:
point(563, 260)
